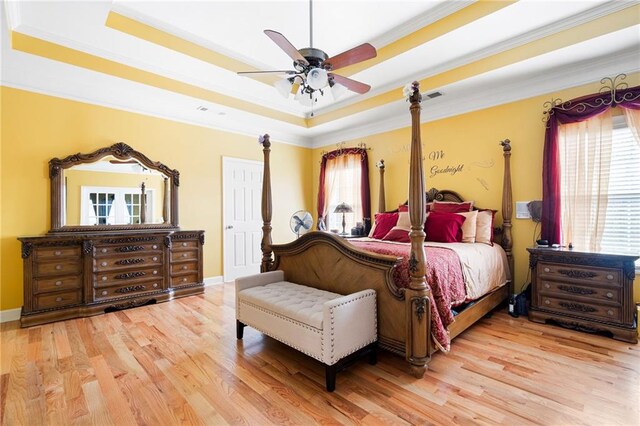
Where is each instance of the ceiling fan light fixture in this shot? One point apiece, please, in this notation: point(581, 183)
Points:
point(305, 98)
point(283, 87)
point(317, 78)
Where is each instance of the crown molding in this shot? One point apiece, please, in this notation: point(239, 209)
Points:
point(12, 12)
point(536, 34)
point(416, 23)
point(550, 81)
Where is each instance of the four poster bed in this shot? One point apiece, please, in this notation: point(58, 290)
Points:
point(410, 322)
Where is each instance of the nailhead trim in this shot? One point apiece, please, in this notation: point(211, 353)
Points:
point(349, 351)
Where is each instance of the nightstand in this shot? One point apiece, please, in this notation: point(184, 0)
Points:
point(584, 290)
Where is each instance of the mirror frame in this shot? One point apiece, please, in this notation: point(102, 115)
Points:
point(121, 151)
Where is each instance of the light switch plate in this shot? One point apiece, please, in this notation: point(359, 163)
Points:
point(522, 212)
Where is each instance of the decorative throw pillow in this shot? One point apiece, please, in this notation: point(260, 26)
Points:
point(403, 220)
point(469, 226)
point(452, 207)
point(444, 227)
point(399, 234)
point(484, 226)
point(384, 223)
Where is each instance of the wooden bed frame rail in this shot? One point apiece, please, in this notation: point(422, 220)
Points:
point(326, 261)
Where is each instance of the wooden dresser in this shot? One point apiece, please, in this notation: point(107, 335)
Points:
point(584, 290)
point(80, 275)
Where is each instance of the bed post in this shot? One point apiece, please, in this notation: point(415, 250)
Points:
point(507, 208)
point(382, 205)
point(265, 246)
point(417, 295)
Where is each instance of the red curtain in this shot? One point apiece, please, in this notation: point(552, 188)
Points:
point(364, 182)
point(573, 111)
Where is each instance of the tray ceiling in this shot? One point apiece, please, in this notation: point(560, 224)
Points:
point(178, 59)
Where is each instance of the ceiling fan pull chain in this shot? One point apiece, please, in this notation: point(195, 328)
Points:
point(310, 23)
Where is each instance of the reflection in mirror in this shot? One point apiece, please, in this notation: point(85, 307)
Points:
point(113, 192)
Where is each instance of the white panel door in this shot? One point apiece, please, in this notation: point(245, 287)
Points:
point(241, 218)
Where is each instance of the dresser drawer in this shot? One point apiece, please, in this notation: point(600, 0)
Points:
point(60, 267)
point(50, 253)
point(101, 294)
point(184, 255)
point(582, 309)
point(137, 261)
point(188, 244)
point(111, 250)
point(44, 285)
point(181, 280)
point(585, 293)
point(184, 267)
point(107, 279)
point(56, 300)
point(579, 273)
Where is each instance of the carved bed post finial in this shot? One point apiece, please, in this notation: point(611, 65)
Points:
point(507, 208)
point(267, 258)
point(381, 201)
point(417, 294)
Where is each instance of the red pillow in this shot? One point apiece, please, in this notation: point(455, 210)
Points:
point(384, 223)
point(398, 234)
point(450, 207)
point(444, 227)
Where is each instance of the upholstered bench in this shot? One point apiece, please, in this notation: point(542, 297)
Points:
point(330, 327)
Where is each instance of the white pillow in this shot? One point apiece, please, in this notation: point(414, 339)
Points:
point(469, 226)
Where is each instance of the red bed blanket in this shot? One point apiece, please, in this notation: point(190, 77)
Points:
point(444, 277)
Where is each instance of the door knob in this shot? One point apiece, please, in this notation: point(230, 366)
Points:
point(228, 227)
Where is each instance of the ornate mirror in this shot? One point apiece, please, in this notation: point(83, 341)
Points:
point(113, 188)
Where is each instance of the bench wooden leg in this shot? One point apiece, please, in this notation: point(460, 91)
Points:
point(373, 354)
point(330, 373)
point(240, 329)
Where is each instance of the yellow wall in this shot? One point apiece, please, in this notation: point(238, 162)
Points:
point(76, 179)
point(472, 140)
point(36, 128)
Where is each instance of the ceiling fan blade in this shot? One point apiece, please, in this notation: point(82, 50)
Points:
point(353, 56)
point(285, 45)
point(288, 72)
point(353, 85)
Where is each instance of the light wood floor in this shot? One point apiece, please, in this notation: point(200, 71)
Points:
point(180, 363)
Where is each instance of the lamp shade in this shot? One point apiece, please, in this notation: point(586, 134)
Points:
point(284, 87)
point(343, 208)
point(317, 78)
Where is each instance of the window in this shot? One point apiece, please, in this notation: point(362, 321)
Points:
point(600, 185)
point(113, 206)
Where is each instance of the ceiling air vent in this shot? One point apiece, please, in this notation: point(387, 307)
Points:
point(202, 108)
point(433, 95)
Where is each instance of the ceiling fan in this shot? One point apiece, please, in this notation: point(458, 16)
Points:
point(313, 68)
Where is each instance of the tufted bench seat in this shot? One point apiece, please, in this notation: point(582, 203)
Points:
point(329, 327)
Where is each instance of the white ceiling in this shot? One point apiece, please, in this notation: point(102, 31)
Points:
point(235, 30)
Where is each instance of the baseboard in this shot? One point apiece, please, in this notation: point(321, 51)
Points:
point(10, 315)
point(213, 281)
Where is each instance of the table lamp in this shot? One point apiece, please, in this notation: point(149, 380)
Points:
point(343, 208)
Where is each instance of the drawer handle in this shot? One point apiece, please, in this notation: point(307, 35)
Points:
point(129, 275)
point(155, 272)
point(104, 250)
point(103, 264)
point(155, 246)
point(546, 285)
point(58, 283)
point(547, 270)
point(105, 292)
point(576, 290)
point(155, 285)
point(184, 280)
point(573, 273)
point(610, 312)
point(577, 307)
point(155, 258)
point(130, 288)
point(609, 295)
point(185, 267)
point(104, 278)
point(57, 253)
point(58, 267)
point(59, 299)
point(609, 276)
point(547, 302)
point(185, 254)
point(184, 244)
